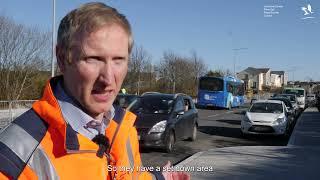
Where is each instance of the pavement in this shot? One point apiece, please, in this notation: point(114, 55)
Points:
point(298, 160)
point(307, 130)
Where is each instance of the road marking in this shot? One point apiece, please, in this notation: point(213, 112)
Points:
point(228, 112)
point(214, 115)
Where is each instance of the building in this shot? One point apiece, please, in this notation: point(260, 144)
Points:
point(278, 78)
point(258, 78)
point(255, 78)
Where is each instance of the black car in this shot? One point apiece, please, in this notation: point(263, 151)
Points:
point(291, 110)
point(162, 119)
point(124, 100)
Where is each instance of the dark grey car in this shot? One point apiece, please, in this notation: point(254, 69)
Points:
point(124, 100)
point(162, 119)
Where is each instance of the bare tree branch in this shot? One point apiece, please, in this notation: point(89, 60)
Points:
point(23, 52)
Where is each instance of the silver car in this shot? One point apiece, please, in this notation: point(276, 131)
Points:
point(266, 117)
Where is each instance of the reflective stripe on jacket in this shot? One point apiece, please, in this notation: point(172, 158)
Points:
point(40, 145)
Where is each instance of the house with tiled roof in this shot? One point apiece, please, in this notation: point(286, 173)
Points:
point(255, 78)
point(279, 78)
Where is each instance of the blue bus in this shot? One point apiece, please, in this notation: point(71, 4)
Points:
point(223, 92)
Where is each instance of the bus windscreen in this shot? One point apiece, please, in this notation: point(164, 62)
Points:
point(211, 84)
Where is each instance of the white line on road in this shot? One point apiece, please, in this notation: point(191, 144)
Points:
point(220, 114)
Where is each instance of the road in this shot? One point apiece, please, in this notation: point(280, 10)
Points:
point(217, 128)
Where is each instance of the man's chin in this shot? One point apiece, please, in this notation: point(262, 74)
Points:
point(98, 108)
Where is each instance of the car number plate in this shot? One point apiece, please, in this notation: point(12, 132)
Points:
point(259, 128)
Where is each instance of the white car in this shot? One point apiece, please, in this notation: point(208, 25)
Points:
point(311, 99)
point(266, 117)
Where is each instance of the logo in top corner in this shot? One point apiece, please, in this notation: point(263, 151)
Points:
point(307, 12)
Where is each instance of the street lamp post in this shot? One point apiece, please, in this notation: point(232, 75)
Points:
point(53, 37)
point(235, 51)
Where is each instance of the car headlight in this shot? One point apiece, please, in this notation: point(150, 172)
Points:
point(279, 121)
point(159, 127)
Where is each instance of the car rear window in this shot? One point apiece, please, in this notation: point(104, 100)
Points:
point(285, 101)
point(266, 108)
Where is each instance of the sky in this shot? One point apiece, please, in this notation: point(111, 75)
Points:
point(269, 33)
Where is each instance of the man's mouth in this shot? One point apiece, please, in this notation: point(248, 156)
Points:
point(102, 95)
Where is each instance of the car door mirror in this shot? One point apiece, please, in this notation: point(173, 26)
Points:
point(180, 113)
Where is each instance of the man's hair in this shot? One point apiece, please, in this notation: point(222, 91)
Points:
point(86, 19)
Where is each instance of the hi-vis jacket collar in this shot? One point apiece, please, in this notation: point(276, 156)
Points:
point(48, 107)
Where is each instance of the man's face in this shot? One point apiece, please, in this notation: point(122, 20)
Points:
point(95, 78)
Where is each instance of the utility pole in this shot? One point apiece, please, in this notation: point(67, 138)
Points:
point(235, 53)
point(53, 36)
point(292, 70)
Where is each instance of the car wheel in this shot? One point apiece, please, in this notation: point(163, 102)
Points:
point(169, 142)
point(194, 133)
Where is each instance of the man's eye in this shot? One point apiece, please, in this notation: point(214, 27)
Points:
point(119, 60)
point(92, 59)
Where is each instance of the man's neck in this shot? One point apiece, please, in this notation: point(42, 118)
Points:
point(98, 117)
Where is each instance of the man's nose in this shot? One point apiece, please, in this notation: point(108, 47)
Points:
point(106, 73)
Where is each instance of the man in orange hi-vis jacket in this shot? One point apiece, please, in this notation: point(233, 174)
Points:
point(74, 131)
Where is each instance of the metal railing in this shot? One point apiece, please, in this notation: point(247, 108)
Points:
point(9, 110)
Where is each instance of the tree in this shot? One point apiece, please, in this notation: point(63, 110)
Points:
point(24, 51)
point(180, 74)
point(219, 73)
point(198, 69)
point(140, 63)
point(215, 73)
point(168, 70)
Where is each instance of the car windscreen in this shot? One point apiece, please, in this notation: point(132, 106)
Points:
point(211, 84)
point(266, 108)
point(129, 99)
point(300, 93)
point(153, 105)
point(286, 101)
point(124, 100)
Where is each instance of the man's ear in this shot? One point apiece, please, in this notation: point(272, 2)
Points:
point(60, 58)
